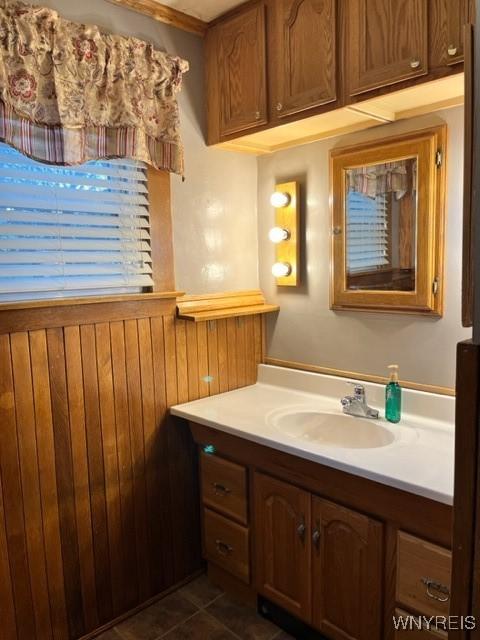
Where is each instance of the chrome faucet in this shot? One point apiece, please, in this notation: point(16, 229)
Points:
point(356, 405)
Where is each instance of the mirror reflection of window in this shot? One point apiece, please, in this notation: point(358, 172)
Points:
point(381, 226)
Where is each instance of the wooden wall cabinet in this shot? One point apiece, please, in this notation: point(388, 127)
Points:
point(274, 62)
point(446, 31)
point(302, 55)
point(236, 73)
point(387, 42)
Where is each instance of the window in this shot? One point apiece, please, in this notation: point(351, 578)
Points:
point(367, 232)
point(71, 231)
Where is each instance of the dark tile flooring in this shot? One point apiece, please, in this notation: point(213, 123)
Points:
point(197, 611)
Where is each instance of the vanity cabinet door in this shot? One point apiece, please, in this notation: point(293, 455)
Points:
point(387, 42)
point(447, 21)
point(237, 59)
point(347, 572)
point(283, 544)
point(302, 48)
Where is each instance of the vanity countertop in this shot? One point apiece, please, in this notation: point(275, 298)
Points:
point(420, 458)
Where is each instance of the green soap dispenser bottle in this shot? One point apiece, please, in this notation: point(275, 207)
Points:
point(393, 396)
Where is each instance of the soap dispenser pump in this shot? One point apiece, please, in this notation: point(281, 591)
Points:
point(393, 396)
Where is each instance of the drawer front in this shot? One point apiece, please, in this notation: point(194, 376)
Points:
point(414, 633)
point(423, 575)
point(224, 487)
point(226, 544)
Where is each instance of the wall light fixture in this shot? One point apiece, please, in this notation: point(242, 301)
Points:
point(284, 234)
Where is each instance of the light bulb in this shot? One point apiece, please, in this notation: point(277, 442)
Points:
point(277, 234)
point(279, 199)
point(281, 269)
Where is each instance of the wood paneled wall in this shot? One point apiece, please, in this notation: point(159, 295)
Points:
point(98, 486)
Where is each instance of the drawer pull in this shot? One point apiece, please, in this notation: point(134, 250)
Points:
point(452, 50)
point(436, 586)
point(415, 63)
point(220, 489)
point(223, 548)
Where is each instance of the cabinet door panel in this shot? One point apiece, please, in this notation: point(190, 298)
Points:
point(347, 573)
point(303, 49)
point(387, 42)
point(446, 31)
point(282, 539)
point(242, 71)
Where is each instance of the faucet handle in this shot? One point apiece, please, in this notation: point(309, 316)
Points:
point(358, 388)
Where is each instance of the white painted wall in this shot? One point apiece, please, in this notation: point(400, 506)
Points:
point(306, 329)
point(215, 209)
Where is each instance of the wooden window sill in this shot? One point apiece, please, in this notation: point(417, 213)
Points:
point(87, 300)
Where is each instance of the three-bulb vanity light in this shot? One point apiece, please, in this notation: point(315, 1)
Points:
point(284, 233)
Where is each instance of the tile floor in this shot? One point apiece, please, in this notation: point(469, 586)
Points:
point(198, 611)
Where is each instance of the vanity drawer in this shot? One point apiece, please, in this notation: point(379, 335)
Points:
point(423, 575)
point(224, 487)
point(417, 634)
point(226, 544)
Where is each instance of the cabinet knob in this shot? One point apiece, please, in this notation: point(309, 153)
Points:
point(258, 115)
point(452, 50)
point(301, 530)
point(279, 106)
point(316, 537)
point(414, 63)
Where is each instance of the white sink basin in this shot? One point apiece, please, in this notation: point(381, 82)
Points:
point(334, 430)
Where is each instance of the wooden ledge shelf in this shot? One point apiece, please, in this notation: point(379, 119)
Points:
point(223, 305)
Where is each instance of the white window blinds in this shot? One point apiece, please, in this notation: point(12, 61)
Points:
point(67, 231)
point(367, 232)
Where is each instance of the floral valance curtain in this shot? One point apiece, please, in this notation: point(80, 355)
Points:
point(70, 93)
point(390, 177)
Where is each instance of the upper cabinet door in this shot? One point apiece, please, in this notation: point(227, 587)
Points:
point(282, 541)
point(241, 64)
point(387, 42)
point(446, 31)
point(302, 47)
point(347, 572)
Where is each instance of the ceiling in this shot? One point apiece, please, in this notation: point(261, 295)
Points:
point(206, 10)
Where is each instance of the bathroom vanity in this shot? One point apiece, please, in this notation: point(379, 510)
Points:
point(343, 522)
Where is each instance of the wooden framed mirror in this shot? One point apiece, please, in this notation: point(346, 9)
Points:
point(387, 200)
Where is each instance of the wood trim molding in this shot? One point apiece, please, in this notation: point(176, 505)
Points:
point(223, 305)
point(161, 13)
point(85, 311)
point(161, 230)
point(366, 377)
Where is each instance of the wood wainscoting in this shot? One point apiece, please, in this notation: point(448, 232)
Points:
point(98, 486)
